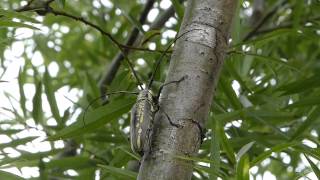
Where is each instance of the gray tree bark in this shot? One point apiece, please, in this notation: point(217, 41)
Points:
point(198, 56)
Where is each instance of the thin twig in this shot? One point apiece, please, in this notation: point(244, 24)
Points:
point(81, 19)
point(119, 45)
point(103, 32)
point(112, 69)
point(284, 26)
point(29, 7)
point(163, 54)
point(115, 64)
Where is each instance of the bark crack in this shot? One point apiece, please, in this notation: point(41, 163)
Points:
point(202, 131)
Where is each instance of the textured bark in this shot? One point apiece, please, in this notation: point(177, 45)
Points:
point(198, 56)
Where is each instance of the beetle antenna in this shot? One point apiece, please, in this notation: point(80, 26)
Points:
point(98, 98)
point(163, 54)
point(132, 69)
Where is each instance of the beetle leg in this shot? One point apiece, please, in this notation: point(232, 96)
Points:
point(148, 143)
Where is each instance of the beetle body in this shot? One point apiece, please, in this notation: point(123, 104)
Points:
point(141, 125)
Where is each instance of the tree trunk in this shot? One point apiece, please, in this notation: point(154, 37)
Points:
point(198, 56)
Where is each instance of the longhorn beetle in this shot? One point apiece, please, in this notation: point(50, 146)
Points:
point(145, 108)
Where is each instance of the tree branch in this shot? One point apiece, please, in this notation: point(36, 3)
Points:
point(45, 9)
point(115, 64)
point(119, 45)
point(198, 57)
point(103, 32)
point(284, 26)
point(31, 7)
point(264, 20)
point(112, 69)
point(258, 8)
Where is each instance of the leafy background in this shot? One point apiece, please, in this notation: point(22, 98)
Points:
point(264, 122)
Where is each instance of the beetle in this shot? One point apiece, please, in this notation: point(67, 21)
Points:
point(141, 123)
point(145, 108)
point(142, 119)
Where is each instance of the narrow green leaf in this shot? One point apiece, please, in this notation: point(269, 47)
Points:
point(314, 152)
point(95, 119)
point(19, 15)
point(244, 150)
point(37, 112)
point(149, 35)
point(267, 58)
point(268, 115)
point(266, 154)
point(21, 81)
point(17, 142)
point(42, 170)
point(61, 3)
point(27, 158)
point(49, 90)
point(270, 125)
point(236, 25)
point(76, 162)
point(267, 37)
point(9, 131)
point(66, 116)
point(243, 167)
point(300, 85)
point(297, 11)
point(201, 168)
point(6, 23)
point(133, 21)
point(312, 118)
point(9, 176)
point(91, 89)
point(228, 116)
point(303, 174)
point(110, 138)
point(246, 66)
point(305, 102)
point(129, 153)
point(205, 160)
point(16, 163)
point(5, 43)
point(119, 171)
point(314, 167)
point(13, 109)
point(178, 7)
point(236, 75)
point(226, 145)
point(227, 89)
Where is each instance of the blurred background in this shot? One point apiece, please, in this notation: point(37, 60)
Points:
point(264, 121)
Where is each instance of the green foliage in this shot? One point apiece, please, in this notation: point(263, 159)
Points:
point(6, 175)
point(265, 110)
point(178, 7)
